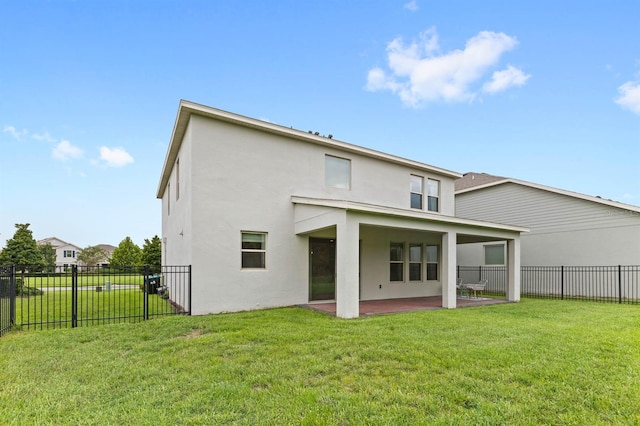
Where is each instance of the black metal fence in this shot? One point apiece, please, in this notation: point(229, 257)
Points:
point(7, 299)
point(82, 296)
point(616, 284)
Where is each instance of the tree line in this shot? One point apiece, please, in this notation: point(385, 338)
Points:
point(24, 252)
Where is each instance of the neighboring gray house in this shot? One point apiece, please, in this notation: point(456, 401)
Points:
point(271, 216)
point(66, 253)
point(566, 228)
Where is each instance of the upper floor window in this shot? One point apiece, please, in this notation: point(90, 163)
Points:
point(254, 250)
point(337, 172)
point(168, 198)
point(416, 185)
point(433, 195)
point(69, 253)
point(177, 179)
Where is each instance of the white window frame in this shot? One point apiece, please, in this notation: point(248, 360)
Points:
point(263, 250)
point(418, 262)
point(431, 196)
point(431, 262)
point(413, 191)
point(397, 262)
point(331, 177)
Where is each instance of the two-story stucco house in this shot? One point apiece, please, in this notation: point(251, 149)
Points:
point(566, 228)
point(66, 253)
point(271, 216)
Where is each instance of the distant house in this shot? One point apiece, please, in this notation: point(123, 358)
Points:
point(108, 248)
point(66, 253)
point(566, 228)
point(271, 216)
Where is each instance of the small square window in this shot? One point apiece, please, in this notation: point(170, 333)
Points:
point(254, 250)
point(494, 254)
point(337, 172)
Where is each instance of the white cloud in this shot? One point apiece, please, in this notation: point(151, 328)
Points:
point(419, 74)
point(15, 133)
point(412, 6)
point(115, 157)
point(45, 137)
point(503, 80)
point(629, 96)
point(66, 151)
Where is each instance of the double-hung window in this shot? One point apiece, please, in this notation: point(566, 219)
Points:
point(254, 250)
point(415, 262)
point(396, 262)
point(415, 187)
point(432, 263)
point(433, 195)
point(337, 172)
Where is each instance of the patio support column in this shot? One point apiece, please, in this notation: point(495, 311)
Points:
point(448, 270)
point(513, 270)
point(347, 259)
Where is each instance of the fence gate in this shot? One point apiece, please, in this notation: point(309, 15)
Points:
point(82, 296)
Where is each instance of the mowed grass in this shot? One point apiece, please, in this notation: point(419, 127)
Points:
point(84, 280)
point(536, 362)
point(53, 309)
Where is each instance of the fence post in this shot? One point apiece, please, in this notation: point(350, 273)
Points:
point(12, 296)
point(146, 292)
point(189, 289)
point(74, 296)
point(619, 283)
point(562, 282)
point(479, 273)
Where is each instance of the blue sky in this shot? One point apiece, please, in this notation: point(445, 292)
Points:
point(544, 91)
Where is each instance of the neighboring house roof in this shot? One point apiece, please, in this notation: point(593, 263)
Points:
point(186, 109)
point(476, 181)
point(56, 242)
point(107, 247)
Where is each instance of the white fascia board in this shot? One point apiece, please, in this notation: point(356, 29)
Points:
point(405, 214)
point(609, 203)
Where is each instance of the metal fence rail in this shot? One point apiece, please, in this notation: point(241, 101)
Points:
point(616, 284)
point(83, 296)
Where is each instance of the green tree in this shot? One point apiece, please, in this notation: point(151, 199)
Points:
point(93, 255)
point(152, 254)
point(48, 256)
point(22, 250)
point(126, 254)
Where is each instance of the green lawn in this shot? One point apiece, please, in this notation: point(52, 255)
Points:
point(53, 309)
point(84, 280)
point(536, 362)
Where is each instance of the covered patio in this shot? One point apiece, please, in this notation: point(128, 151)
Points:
point(410, 304)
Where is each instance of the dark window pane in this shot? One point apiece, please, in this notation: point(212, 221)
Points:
point(396, 272)
point(432, 271)
point(415, 272)
point(416, 201)
point(252, 260)
point(396, 252)
point(433, 204)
